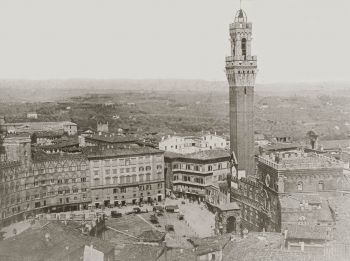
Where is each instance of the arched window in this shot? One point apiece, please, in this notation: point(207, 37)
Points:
point(321, 185)
point(300, 186)
point(244, 47)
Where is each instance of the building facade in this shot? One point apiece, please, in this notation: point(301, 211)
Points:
point(259, 204)
point(296, 171)
point(30, 127)
point(191, 144)
point(51, 184)
point(127, 176)
point(191, 175)
point(241, 69)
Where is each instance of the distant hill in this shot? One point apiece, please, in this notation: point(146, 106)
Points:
point(53, 90)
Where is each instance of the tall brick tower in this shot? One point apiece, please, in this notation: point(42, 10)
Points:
point(241, 69)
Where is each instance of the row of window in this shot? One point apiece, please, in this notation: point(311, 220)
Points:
point(140, 188)
point(60, 191)
point(60, 169)
point(128, 179)
point(189, 179)
point(124, 161)
point(196, 167)
point(13, 188)
point(128, 170)
point(58, 181)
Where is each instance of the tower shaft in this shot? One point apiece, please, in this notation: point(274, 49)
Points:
point(241, 69)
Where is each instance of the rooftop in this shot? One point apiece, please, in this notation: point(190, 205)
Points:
point(209, 244)
point(228, 206)
point(49, 241)
point(94, 152)
point(201, 155)
point(112, 138)
point(299, 160)
point(334, 144)
point(253, 244)
point(140, 252)
point(308, 232)
point(40, 123)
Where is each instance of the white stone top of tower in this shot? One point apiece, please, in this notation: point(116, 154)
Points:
point(241, 16)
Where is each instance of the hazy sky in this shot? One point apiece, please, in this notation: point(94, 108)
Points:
point(295, 40)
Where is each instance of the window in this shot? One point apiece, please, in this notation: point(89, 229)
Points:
point(220, 166)
point(123, 190)
point(320, 185)
point(141, 169)
point(188, 166)
point(107, 162)
point(244, 47)
point(210, 168)
point(83, 179)
point(300, 186)
point(196, 168)
point(141, 177)
point(114, 171)
point(148, 168)
point(96, 172)
point(127, 179)
point(107, 171)
point(148, 177)
point(75, 190)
